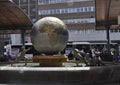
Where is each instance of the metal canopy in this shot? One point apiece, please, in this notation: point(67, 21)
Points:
point(107, 12)
point(12, 18)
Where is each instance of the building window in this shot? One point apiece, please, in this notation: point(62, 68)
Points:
point(24, 0)
point(85, 9)
point(33, 20)
point(115, 30)
point(33, 9)
point(67, 10)
point(43, 2)
point(24, 10)
point(85, 20)
point(33, 0)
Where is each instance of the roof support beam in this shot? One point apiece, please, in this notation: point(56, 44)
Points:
point(108, 25)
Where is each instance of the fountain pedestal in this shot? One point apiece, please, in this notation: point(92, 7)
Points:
point(50, 60)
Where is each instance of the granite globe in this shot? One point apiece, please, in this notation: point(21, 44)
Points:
point(49, 35)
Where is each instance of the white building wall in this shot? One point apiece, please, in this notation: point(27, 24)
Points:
point(16, 39)
point(91, 35)
point(115, 36)
point(76, 36)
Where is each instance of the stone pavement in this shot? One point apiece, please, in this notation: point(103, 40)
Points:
point(102, 75)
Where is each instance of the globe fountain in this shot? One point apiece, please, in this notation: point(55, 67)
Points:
point(49, 36)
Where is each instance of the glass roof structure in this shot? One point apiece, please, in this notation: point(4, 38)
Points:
point(107, 12)
point(12, 18)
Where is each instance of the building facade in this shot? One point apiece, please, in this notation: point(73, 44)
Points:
point(29, 7)
point(75, 13)
point(78, 15)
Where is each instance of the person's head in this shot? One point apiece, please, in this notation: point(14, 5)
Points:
point(70, 51)
point(22, 48)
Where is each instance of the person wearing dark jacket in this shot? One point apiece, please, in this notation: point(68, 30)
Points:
point(70, 56)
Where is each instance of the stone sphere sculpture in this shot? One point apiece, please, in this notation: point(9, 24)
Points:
point(49, 35)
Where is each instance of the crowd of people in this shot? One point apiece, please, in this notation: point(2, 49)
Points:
point(21, 56)
point(94, 56)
